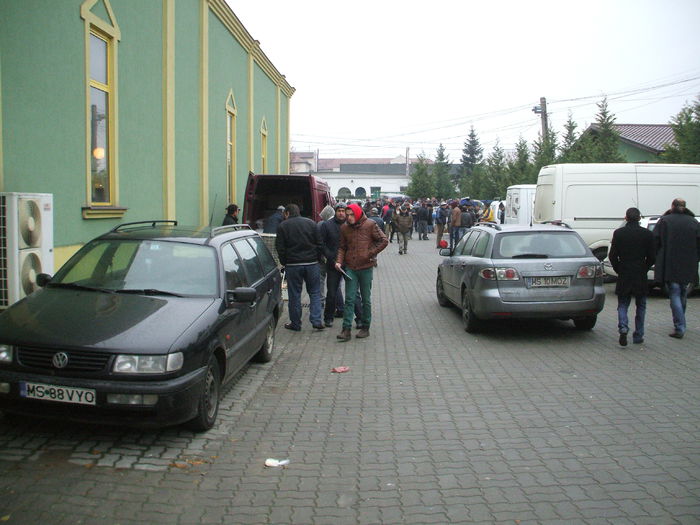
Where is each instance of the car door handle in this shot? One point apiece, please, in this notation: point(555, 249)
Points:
point(252, 305)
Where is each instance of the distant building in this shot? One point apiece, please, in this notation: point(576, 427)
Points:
point(641, 142)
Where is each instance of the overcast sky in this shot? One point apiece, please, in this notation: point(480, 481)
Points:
point(374, 77)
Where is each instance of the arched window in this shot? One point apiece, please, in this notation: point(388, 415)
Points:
point(360, 193)
point(344, 193)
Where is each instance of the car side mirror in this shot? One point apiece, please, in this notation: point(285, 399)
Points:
point(42, 279)
point(445, 252)
point(240, 295)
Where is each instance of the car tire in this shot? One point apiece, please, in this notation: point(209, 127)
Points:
point(208, 403)
point(440, 292)
point(585, 323)
point(471, 323)
point(264, 355)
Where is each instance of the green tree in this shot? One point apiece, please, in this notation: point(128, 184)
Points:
point(444, 186)
point(568, 146)
point(686, 131)
point(472, 155)
point(520, 167)
point(606, 140)
point(422, 181)
point(497, 179)
point(544, 150)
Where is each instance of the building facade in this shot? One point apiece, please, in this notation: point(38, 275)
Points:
point(129, 111)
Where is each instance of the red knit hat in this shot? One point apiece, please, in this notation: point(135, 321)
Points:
point(356, 210)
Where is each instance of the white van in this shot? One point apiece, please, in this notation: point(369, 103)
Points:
point(520, 201)
point(593, 198)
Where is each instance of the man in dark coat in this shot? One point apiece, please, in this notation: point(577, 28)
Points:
point(231, 215)
point(274, 220)
point(631, 256)
point(677, 236)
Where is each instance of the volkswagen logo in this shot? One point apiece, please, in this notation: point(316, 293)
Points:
point(60, 359)
point(548, 266)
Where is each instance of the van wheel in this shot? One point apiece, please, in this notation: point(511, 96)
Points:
point(585, 323)
point(440, 292)
point(264, 355)
point(208, 404)
point(471, 323)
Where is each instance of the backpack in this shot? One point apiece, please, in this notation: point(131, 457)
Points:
point(466, 220)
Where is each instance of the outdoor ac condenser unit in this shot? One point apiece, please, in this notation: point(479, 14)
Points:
point(26, 243)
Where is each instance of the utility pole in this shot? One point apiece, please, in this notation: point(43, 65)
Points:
point(541, 110)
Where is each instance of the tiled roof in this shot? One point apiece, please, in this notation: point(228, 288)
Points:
point(652, 137)
point(334, 164)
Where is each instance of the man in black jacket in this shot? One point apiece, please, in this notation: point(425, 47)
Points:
point(631, 256)
point(298, 246)
point(677, 236)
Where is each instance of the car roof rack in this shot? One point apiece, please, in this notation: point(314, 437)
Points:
point(557, 223)
point(229, 228)
point(152, 223)
point(489, 224)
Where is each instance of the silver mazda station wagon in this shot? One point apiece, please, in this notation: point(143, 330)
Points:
point(508, 271)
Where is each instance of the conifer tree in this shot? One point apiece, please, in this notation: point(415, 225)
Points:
point(444, 187)
point(422, 182)
point(686, 131)
point(472, 155)
point(520, 167)
point(566, 151)
point(607, 139)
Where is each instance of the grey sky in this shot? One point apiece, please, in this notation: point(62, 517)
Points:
point(375, 77)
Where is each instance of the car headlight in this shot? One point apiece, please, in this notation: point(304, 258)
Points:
point(6, 353)
point(148, 364)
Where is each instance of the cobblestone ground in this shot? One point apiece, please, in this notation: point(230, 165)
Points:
point(529, 422)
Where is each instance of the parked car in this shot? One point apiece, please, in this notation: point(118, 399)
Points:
point(142, 326)
point(513, 271)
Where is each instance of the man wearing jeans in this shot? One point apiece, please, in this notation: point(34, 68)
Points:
point(677, 237)
point(631, 256)
point(298, 245)
point(360, 242)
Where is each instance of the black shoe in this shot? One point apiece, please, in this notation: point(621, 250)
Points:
point(623, 340)
point(328, 324)
point(676, 335)
point(290, 326)
point(318, 327)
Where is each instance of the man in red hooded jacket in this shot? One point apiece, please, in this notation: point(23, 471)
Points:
point(360, 242)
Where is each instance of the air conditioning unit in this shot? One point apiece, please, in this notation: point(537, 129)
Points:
point(26, 243)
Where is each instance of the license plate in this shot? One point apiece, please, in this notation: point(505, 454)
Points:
point(549, 282)
point(60, 394)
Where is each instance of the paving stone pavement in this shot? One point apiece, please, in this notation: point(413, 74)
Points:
point(526, 423)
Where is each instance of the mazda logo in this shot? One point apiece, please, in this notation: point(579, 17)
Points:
point(60, 359)
point(548, 266)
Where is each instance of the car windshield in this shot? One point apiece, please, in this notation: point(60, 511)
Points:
point(142, 266)
point(539, 244)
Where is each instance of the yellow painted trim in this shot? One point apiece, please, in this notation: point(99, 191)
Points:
point(251, 113)
point(61, 254)
point(103, 212)
point(222, 10)
point(204, 112)
point(278, 135)
point(169, 110)
point(231, 177)
point(111, 27)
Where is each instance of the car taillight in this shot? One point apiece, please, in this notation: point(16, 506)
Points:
point(488, 273)
point(500, 274)
point(590, 271)
point(507, 274)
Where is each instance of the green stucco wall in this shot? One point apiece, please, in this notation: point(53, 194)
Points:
point(42, 72)
point(632, 154)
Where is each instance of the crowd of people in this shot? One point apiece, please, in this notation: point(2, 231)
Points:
point(343, 248)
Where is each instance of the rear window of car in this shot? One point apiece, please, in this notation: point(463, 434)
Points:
point(539, 244)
